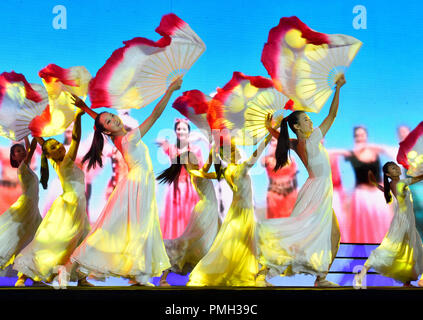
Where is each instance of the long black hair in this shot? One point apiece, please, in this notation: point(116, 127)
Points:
point(386, 185)
point(282, 147)
point(171, 174)
point(93, 155)
point(13, 162)
point(44, 172)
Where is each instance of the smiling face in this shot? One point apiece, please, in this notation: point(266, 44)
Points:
point(111, 123)
point(54, 150)
point(304, 124)
point(182, 131)
point(393, 171)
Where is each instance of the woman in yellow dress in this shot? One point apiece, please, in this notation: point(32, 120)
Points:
point(65, 224)
point(231, 260)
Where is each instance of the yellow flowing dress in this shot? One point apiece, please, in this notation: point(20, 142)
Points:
point(231, 260)
point(400, 255)
point(61, 231)
point(20, 222)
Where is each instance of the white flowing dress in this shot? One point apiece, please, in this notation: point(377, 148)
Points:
point(126, 240)
point(187, 250)
point(20, 222)
point(302, 242)
point(400, 255)
point(61, 231)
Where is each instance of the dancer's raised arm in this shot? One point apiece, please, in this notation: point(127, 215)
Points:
point(76, 135)
point(268, 125)
point(158, 109)
point(327, 123)
point(207, 165)
point(79, 103)
point(253, 159)
point(31, 149)
point(416, 179)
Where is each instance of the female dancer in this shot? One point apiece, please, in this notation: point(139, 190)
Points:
point(20, 222)
point(400, 255)
point(282, 191)
point(307, 241)
point(65, 224)
point(369, 216)
point(180, 196)
point(231, 260)
point(126, 240)
point(187, 250)
point(10, 188)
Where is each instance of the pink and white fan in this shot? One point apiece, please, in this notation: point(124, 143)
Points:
point(410, 153)
point(20, 102)
point(305, 64)
point(60, 83)
point(142, 70)
point(245, 103)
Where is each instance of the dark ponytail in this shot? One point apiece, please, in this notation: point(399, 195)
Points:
point(171, 174)
point(94, 154)
point(44, 167)
point(282, 147)
point(386, 185)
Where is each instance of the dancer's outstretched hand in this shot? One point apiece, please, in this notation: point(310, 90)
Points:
point(268, 121)
point(341, 81)
point(78, 102)
point(176, 84)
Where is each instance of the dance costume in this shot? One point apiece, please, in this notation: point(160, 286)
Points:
point(282, 190)
point(187, 250)
point(302, 242)
point(20, 222)
point(369, 216)
point(61, 231)
point(400, 255)
point(231, 260)
point(179, 202)
point(126, 240)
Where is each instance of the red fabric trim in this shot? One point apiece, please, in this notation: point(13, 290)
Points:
point(169, 23)
point(98, 87)
point(407, 145)
point(237, 78)
point(11, 77)
point(289, 105)
point(271, 50)
point(40, 122)
point(194, 99)
point(53, 71)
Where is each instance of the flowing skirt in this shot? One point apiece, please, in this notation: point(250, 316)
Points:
point(17, 228)
point(400, 255)
point(231, 260)
point(126, 240)
point(369, 217)
point(60, 232)
point(177, 209)
point(187, 250)
point(303, 242)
